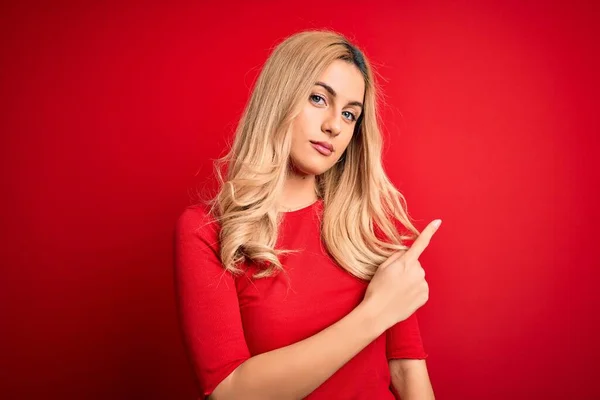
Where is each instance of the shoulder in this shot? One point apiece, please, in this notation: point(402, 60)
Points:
point(195, 214)
point(196, 222)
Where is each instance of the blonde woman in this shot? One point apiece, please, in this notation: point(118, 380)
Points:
point(294, 281)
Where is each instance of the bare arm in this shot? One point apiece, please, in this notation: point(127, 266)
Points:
point(411, 379)
point(274, 375)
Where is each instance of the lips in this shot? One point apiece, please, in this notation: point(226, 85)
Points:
point(321, 149)
point(324, 144)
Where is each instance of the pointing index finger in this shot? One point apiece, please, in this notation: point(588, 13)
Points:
point(421, 243)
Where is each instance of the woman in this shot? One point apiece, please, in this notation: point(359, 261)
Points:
point(295, 282)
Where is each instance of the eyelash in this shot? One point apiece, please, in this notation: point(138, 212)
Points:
point(321, 97)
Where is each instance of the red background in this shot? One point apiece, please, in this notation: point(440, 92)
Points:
point(111, 114)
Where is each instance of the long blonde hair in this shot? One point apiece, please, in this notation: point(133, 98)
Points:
point(357, 194)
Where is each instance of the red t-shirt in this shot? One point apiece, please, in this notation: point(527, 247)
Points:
point(227, 319)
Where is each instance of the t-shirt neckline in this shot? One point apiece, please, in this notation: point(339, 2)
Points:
point(303, 209)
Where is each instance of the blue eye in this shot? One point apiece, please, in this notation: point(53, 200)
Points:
point(352, 116)
point(313, 96)
point(316, 99)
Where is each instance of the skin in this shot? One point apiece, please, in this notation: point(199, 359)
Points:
point(332, 118)
point(397, 290)
point(410, 379)
point(324, 118)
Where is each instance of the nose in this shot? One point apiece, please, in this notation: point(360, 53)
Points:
point(332, 124)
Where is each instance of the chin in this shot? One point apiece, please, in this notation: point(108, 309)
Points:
point(308, 168)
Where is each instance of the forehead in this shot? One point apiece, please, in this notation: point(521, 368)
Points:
point(346, 79)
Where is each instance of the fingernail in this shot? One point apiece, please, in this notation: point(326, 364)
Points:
point(437, 223)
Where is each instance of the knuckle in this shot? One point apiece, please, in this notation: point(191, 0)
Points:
point(404, 263)
point(420, 269)
point(425, 293)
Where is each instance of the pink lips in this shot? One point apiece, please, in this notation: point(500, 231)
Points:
point(321, 148)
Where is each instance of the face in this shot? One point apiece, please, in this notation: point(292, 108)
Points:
point(329, 116)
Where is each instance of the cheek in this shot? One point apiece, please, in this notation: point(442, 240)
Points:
point(310, 114)
point(300, 125)
point(343, 144)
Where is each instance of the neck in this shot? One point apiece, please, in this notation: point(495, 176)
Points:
point(298, 191)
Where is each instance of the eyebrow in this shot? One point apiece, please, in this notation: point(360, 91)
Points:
point(334, 94)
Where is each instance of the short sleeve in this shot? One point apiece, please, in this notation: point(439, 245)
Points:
point(403, 340)
point(207, 301)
